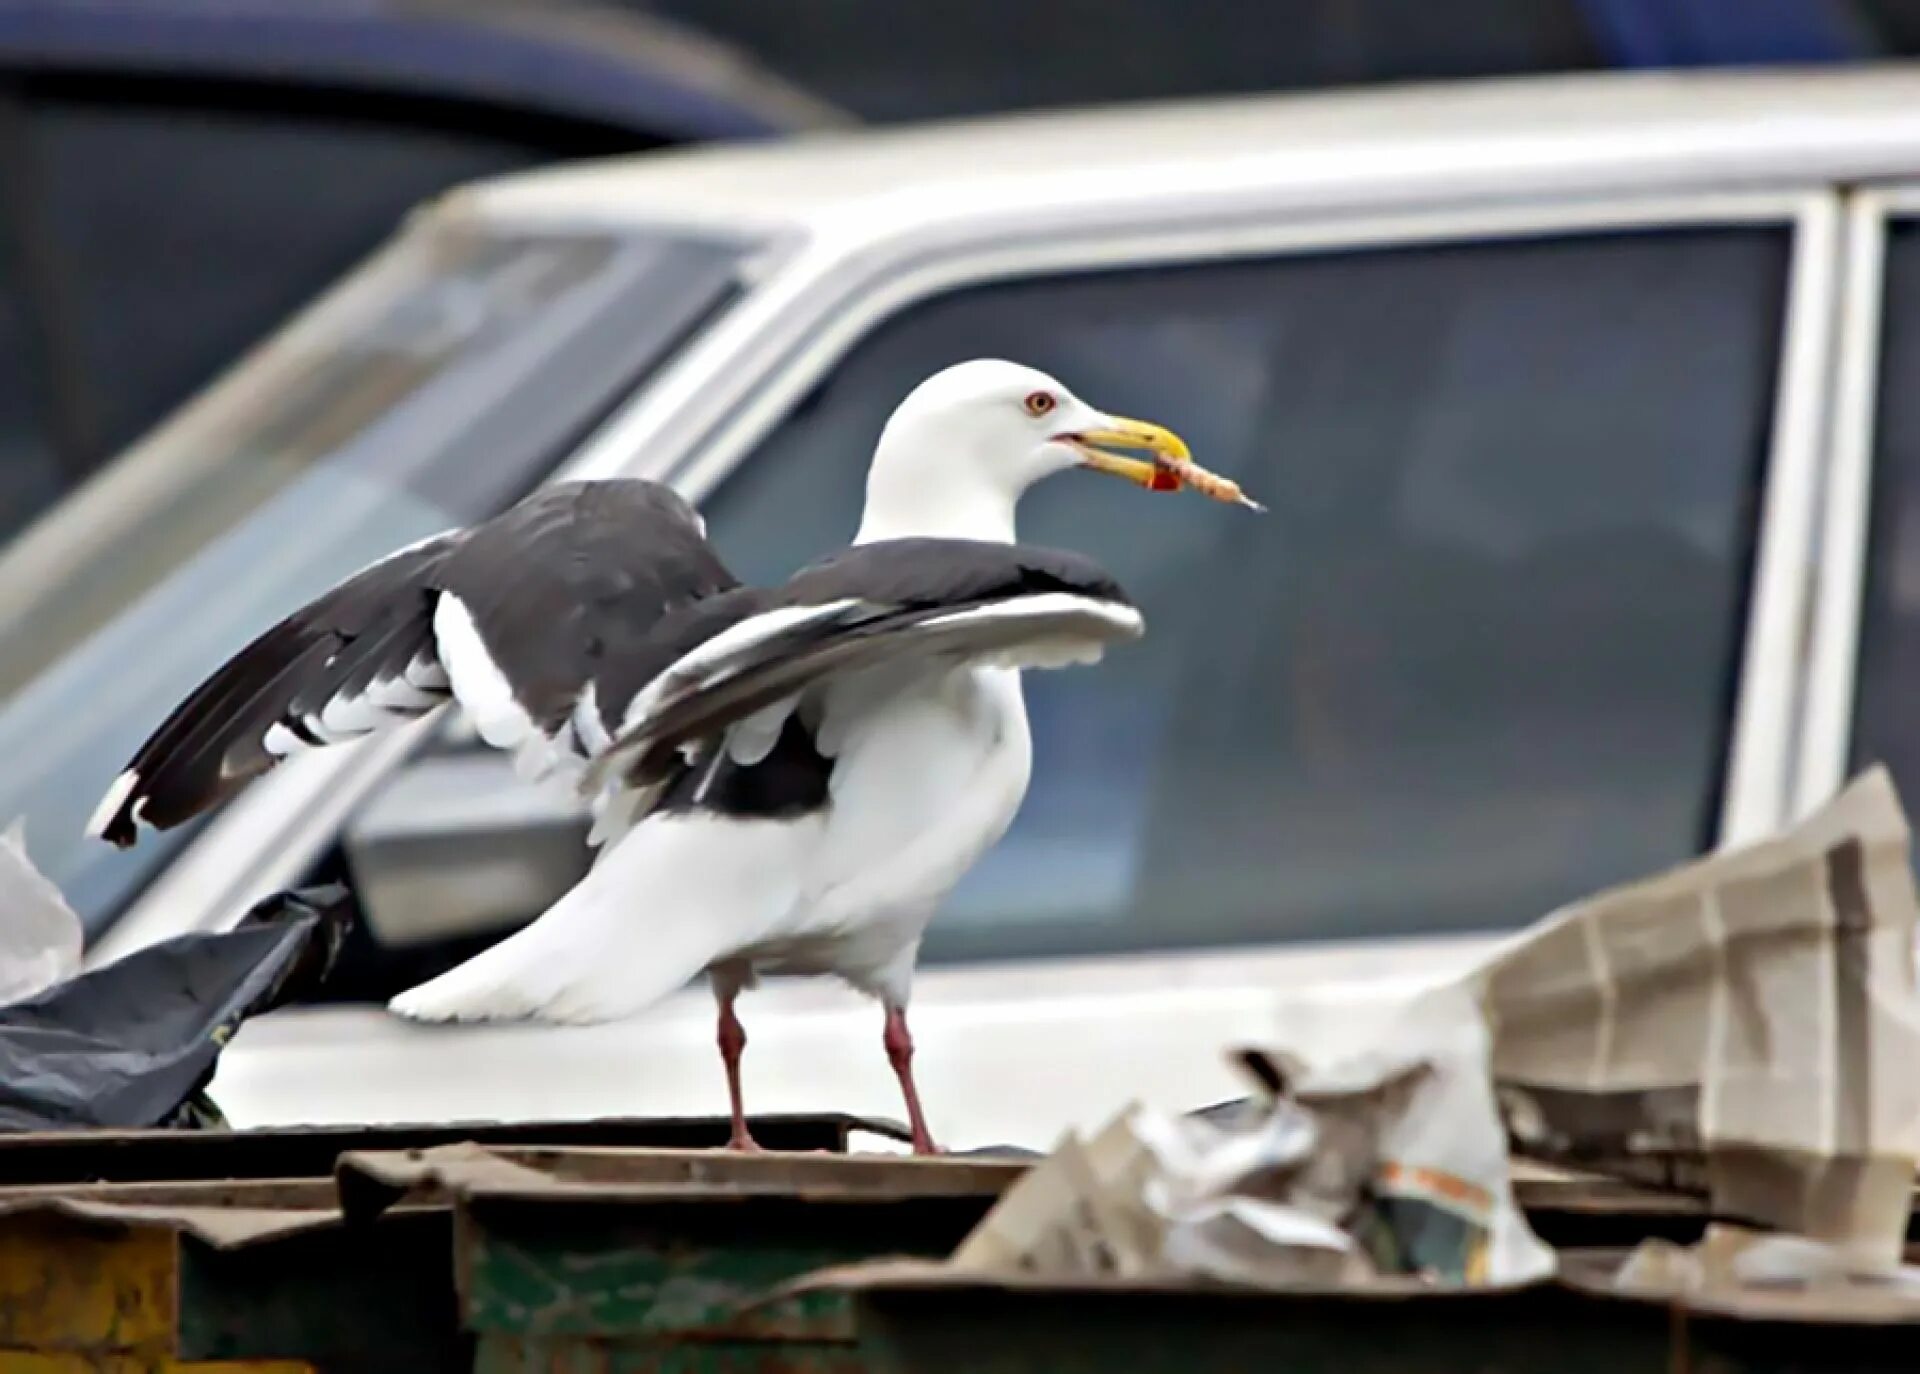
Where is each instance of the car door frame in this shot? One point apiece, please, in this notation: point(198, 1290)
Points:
point(817, 298)
point(1826, 741)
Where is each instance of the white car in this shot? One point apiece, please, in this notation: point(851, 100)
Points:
point(1585, 410)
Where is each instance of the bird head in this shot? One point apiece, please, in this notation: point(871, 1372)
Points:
point(962, 447)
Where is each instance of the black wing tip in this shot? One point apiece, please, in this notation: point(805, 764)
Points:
point(132, 800)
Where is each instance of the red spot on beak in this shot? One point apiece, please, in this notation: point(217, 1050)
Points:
point(1164, 480)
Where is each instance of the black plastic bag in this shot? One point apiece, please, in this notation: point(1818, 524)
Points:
point(134, 1043)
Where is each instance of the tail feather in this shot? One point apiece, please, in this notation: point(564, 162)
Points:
point(678, 893)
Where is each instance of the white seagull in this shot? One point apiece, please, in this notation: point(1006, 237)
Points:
point(785, 780)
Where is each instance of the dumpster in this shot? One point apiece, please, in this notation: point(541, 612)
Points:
point(255, 1275)
point(509, 1254)
point(629, 1260)
point(131, 1250)
point(930, 1320)
point(52, 1157)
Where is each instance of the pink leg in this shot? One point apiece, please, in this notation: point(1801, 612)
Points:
point(733, 1039)
point(899, 1043)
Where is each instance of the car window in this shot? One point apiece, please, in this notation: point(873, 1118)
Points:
point(431, 389)
point(174, 233)
point(1480, 657)
point(1886, 729)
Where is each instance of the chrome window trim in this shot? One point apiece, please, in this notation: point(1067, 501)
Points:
point(697, 420)
point(1842, 566)
point(860, 286)
point(1768, 728)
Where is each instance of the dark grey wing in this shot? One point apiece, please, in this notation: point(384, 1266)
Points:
point(927, 600)
point(564, 592)
point(359, 654)
point(554, 590)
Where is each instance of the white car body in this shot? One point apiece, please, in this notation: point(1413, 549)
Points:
point(862, 224)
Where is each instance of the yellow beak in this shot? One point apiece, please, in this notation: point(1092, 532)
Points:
point(1135, 436)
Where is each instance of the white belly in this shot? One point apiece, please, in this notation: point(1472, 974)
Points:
point(924, 784)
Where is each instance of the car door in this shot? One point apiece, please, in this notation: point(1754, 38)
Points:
point(1519, 626)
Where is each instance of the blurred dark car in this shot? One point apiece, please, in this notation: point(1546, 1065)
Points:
point(177, 176)
point(888, 61)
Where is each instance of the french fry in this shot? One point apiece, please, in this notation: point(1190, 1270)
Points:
point(1190, 474)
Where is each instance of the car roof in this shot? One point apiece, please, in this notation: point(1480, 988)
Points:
point(1595, 132)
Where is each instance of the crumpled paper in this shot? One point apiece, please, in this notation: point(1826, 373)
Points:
point(1240, 1204)
point(40, 935)
point(1748, 1021)
point(1385, 1165)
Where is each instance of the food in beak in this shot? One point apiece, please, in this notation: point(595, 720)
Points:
point(1187, 473)
point(1168, 465)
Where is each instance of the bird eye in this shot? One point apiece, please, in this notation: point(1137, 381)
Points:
point(1040, 402)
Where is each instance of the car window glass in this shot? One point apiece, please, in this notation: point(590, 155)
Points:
point(431, 389)
point(180, 233)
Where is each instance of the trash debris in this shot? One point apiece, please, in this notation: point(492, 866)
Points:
point(1735, 1257)
point(40, 935)
point(1382, 1166)
point(1077, 1211)
point(1410, 1131)
point(1746, 1024)
point(135, 1042)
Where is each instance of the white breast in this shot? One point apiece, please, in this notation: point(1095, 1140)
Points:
point(926, 781)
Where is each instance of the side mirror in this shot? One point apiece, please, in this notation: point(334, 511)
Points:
point(457, 845)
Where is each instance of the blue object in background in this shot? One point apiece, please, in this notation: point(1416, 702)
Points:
point(1706, 33)
point(617, 71)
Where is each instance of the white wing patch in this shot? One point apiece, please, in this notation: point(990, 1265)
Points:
point(424, 671)
point(401, 695)
point(282, 743)
point(476, 680)
point(1085, 627)
point(1042, 630)
point(749, 741)
point(344, 717)
point(487, 697)
point(714, 659)
point(588, 727)
point(387, 701)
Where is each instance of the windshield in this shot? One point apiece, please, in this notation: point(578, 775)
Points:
point(436, 385)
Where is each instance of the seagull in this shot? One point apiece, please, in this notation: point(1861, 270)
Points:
point(783, 780)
